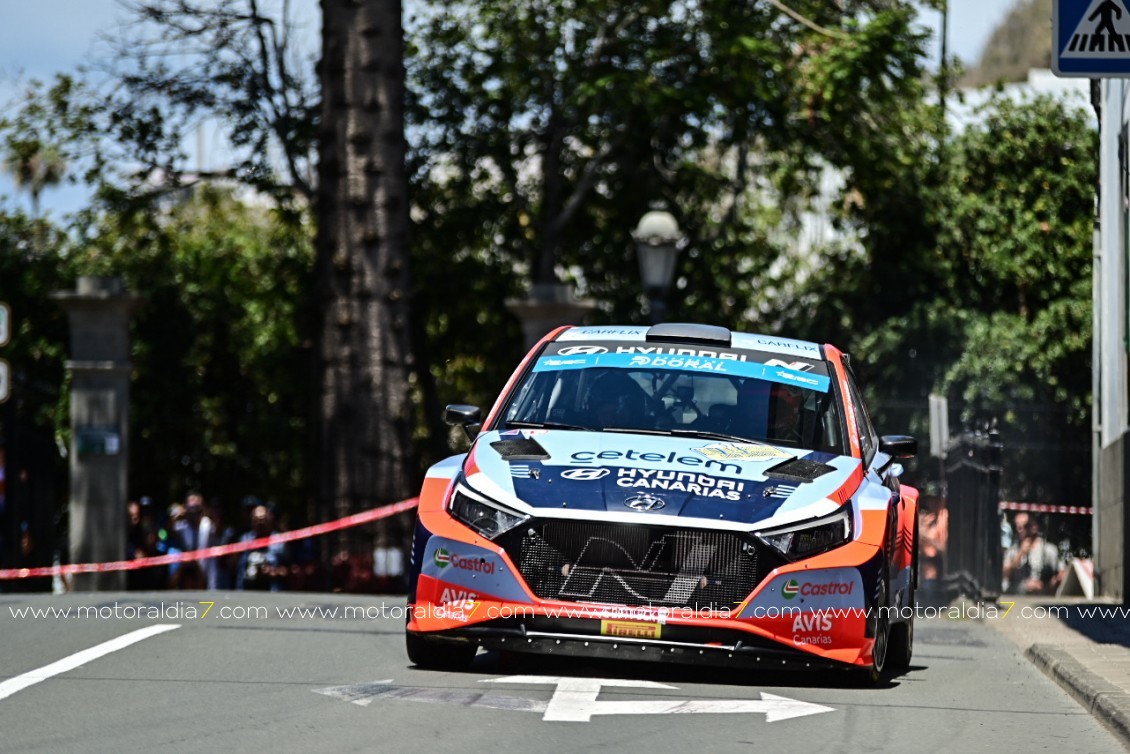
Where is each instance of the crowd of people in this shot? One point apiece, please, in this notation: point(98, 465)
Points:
point(272, 566)
point(1031, 562)
point(197, 525)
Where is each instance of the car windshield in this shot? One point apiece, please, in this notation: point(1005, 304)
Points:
point(728, 395)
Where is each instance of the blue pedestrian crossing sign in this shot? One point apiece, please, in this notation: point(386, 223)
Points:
point(1091, 38)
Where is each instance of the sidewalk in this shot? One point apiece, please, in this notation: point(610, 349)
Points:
point(1087, 655)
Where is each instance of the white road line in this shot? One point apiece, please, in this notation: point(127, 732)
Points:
point(21, 682)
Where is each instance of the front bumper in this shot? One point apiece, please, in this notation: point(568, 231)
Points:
point(569, 638)
point(807, 614)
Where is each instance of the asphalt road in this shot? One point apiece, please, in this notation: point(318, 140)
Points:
point(154, 671)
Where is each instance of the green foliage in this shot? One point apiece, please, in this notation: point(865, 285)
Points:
point(1006, 334)
point(181, 61)
point(30, 271)
point(222, 378)
point(540, 132)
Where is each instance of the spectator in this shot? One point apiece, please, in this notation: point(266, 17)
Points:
point(1032, 565)
point(140, 543)
point(169, 542)
point(194, 530)
point(265, 568)
point(933, 531)
point(220, 570)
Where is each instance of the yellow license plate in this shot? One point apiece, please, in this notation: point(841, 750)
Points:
point(630, 629)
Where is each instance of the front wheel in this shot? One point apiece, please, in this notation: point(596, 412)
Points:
point(438, 655)
point(901, 647)
point(881, 628)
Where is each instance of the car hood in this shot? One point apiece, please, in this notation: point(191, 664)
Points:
point(619, 476)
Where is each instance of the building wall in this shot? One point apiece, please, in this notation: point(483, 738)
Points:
point(1110, 348)
point(1111, 520)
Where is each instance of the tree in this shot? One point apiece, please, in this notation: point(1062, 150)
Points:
point(37, 136)
point(542, 132)
point(236, 63)
point(221, 359)
point(34, 167)
point(36, 410)
point(1019, 229)
point(362, 272)
point(1005, 331)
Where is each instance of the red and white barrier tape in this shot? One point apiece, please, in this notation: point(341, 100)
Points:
point(1006, 505)
point(211, 552)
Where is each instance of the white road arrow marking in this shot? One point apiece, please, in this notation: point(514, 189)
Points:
point(21, 682)
point(363, 694)
point(575, 700)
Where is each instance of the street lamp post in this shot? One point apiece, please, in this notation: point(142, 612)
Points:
point(658, 241)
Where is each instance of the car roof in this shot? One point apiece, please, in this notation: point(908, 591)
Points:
point(693, 335)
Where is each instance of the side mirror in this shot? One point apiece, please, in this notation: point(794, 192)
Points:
point(462, 415)
point(898, 446)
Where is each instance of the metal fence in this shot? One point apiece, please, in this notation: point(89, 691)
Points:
point(973, 482)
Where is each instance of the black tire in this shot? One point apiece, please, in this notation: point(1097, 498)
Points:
point(436, 655)
point(881, 626)
point(873, 674)
point(901, 648)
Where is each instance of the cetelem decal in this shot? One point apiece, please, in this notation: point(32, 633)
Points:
point(592, 456)
point(790, 589)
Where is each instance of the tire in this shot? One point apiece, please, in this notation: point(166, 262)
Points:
point(901, 648)
point(873, 674)
point(881, 628)
point(437, 655)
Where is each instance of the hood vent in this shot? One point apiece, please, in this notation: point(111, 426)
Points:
point(525, 449)
point(799, 470)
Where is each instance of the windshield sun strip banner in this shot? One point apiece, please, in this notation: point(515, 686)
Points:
point(689, 364)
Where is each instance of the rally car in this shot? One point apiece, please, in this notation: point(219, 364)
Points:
point(677, 492)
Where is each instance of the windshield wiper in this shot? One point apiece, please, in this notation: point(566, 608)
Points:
point(708, 435)
point(542, 425)
point(683, 432)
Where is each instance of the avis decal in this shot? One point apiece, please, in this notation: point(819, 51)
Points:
point(812, 628)
point(458, 595)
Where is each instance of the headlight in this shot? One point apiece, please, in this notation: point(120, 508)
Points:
point(811, 537)
point(486, 517)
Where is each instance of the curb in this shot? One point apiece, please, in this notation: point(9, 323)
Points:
point(1105, 701)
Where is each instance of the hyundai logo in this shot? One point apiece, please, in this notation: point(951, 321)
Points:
point(585, 350)
point(644, 502)
point(586, 475)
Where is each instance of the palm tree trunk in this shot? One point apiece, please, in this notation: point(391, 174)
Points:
point(364, 418)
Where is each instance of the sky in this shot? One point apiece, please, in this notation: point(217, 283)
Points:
point(41, 37)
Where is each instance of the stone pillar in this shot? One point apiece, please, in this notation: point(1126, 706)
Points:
point(99, 311)
point(549, 305)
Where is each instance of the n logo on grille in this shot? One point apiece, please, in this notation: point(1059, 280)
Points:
point(644, 502)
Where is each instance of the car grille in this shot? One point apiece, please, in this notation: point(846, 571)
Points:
point(623, 564)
